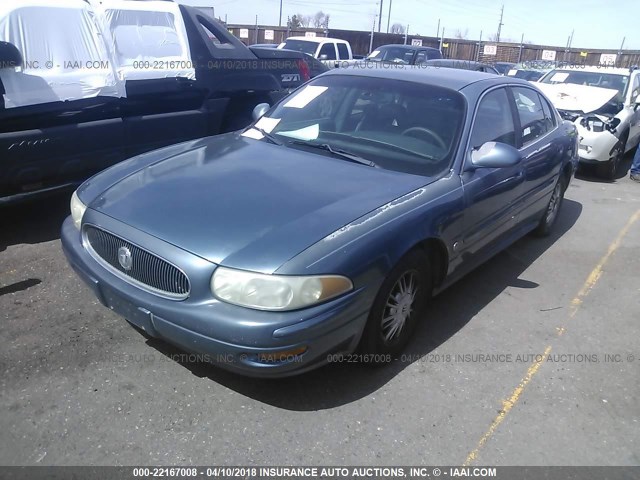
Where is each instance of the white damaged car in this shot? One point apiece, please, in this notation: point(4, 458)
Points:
point(603, 103)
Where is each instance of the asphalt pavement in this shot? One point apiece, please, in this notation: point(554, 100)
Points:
point(533, 359)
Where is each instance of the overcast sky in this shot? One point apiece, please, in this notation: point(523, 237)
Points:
point(597, 23)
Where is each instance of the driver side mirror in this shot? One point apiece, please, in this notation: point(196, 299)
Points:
point(10, 56)
point(324, 56)
point(259, 110)
point(495, 155)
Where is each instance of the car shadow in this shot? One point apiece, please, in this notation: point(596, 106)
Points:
point(589, 172)
point(35, 221)
point(338, 384)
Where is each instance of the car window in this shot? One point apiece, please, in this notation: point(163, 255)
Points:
point(329, 50)
point(343, 51)
point(533, 121)
point(602, 79)
point(635, 88)
point(494, 120)
point(303, 46)
point(400, 125)
point(548, 113)
point(421, 57)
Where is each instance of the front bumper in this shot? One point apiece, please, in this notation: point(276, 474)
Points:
point(595, 147)
point(231, 337)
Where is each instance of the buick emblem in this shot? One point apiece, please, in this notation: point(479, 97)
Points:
point(124, 258)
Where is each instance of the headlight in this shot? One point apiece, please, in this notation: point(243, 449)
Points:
point(275, 292)
point(77, 210)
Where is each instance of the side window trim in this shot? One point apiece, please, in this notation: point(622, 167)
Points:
point(467, 149)
point(555, 126)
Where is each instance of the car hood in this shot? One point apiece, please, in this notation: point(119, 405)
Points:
point(246, 203)
point(577, 98)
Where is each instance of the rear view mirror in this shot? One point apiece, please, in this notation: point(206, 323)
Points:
point(259, 110)
point(495, 155)
point(10, 56)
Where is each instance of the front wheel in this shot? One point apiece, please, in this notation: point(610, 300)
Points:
point(609, 169)
point(550, 216)
point(398, 306)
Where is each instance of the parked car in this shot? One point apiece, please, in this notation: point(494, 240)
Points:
point(330, 51)
point(403, 54)
point(86, 86)
point(503, 67)
point(462, 64)
point(315, 67)
point(603, 103)
point(327, 224)
point(532, 70)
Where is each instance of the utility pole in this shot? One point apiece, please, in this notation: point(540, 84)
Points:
point(257, 41)
point(521, 46)
point(441, 39)
point(438, 29)
point(389, 16)
point(479, 47)
point(566, 50)
point(500, 25)
point(620, 51)
point(406, 32)
point(380, 17)
point(373, 28)
point(280, 18)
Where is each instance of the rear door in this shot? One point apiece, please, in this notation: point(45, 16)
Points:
point(164, 104)
point(60, 115)
point(490, 193)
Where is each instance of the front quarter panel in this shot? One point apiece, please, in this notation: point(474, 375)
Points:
point(366, 249)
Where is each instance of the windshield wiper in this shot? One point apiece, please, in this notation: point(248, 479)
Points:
point(352, 157)
point(268, 136)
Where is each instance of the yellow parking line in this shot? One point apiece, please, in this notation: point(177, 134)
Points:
point(507, 405)
point(592, 279)
point(595, 274)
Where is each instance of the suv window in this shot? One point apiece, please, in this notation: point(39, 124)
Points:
point(494, 120)
point(343, 51)
point(421, 57)
point(329, 50)
point(635, 88)
point(534, 123)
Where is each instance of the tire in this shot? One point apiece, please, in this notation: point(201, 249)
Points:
point(608, 170)
point(388, 329)
point(550, 215)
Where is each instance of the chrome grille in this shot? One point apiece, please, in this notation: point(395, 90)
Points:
point(147, 270)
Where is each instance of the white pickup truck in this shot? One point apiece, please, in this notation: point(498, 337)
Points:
point(330, 51)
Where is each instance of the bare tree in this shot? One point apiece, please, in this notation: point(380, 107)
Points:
point(397, 28)
point(302, 20)
point(493, 37)
point(462, 35)
point(320, 20)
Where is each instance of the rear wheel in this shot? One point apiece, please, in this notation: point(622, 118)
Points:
point(398, 306)
point(550, 216)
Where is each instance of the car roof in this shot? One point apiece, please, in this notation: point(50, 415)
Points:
point(594, 69)
point(407, 47)
point(452, 78)
point(317, 39)
point(453, 61)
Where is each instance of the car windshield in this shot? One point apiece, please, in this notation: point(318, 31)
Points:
point(592, 79)
point(398, 125)
point(392, 54)
point(301, 46)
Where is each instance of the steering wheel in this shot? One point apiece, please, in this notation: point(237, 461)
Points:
point(438, 139)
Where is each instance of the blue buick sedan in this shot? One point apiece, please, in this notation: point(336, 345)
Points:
point(326, 226)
